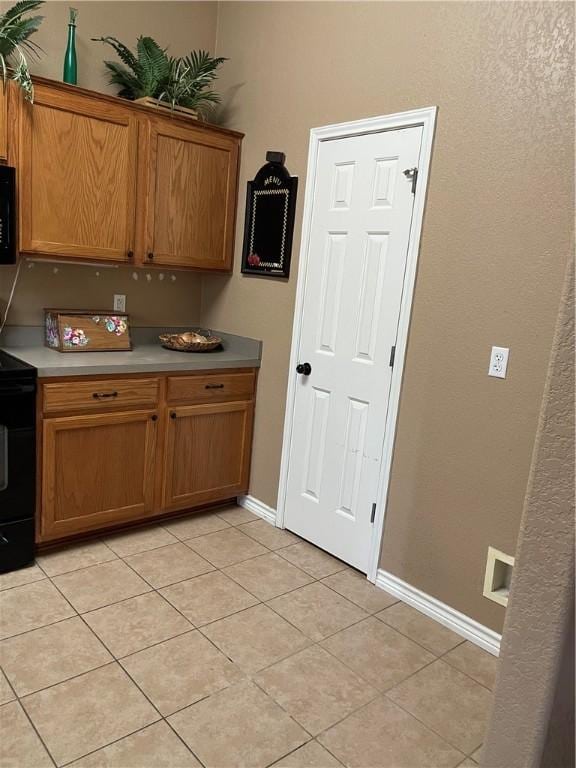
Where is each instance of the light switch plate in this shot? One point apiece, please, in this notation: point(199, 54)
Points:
point(498, 362)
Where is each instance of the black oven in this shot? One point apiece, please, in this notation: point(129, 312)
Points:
point(17, 462)
point(7, 215)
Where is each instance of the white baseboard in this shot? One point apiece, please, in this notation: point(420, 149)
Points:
point(463, 625)
point(253, 504)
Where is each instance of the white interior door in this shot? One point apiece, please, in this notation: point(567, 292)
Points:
point(357, 250)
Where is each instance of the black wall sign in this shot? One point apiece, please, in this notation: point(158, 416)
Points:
point(269, 223)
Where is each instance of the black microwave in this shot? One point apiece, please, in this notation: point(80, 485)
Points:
point(7, 215)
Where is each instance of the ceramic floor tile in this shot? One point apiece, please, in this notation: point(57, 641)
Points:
point(156, 746)
point(140, 540)
point(208, 598)
point(180, 671)
point(420, 628)
point(20, 746)
point(381, 735)
point(31, 606)
point(21, 576)
point(136, 623)
point(49, 655)
point(88, 712)
point(240, 727)
point(311, 755)
point(255, 638)
point(100, 585)
point(268, 535)
point(168, 565)
point(315, 688)
point(226, 547)
point(197, 524)
point(475, 662)
point(237, 515)
point(268, 576)
point(313, 560)
point(449, 702)
point(356, 587)
point(468, 763)
point(74, 557)
point(6, 693)
point(317, 611)
point(378, 653)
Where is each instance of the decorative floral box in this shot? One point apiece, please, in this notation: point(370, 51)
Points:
point(77, 330)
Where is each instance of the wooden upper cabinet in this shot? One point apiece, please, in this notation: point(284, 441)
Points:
point(191, 195)
point(3, 122)
point(77, 176)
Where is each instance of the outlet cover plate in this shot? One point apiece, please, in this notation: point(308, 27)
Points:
point(119, 302)
point(498, 362)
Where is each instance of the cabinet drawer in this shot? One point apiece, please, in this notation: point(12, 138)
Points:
point(98, 395)
point(211, 388)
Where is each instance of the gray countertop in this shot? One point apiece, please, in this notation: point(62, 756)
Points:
point(147, 356)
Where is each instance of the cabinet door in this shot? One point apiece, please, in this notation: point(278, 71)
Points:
point(3, 121)
point(97, 470)
point(77, 176)
point(207, 454)
point(192, 189)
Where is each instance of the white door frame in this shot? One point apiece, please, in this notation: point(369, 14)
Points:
point(425, 117)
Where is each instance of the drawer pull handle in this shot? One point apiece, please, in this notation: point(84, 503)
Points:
point(214, 386)
point(102, 395)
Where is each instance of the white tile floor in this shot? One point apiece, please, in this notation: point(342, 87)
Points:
point(220, 641)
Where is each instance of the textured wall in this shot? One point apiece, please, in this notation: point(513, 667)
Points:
point(181, 25)
point(496, 239)
point(532, 721)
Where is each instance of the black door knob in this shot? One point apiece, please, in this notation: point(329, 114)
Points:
point(304, 368)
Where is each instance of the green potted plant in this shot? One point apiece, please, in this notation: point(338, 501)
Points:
point(151, 76)
point(15, 31)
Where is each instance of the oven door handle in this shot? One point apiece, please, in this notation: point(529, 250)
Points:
point(3, 457)
point(17, 389)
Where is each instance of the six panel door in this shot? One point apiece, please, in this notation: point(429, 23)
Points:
point(77, 176)
point(192, 187)
point(207, 453)
point(98, 470)
point(360, 232)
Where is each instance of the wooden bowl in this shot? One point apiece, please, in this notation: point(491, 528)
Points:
point(190, 341)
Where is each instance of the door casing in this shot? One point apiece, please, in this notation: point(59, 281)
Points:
point(426, 117)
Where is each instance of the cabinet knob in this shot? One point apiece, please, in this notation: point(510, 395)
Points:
point(172, 415)
point(150, 256)
point(130, 254)
point(154, 417)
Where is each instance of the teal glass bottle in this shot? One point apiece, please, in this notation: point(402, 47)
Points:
point(70, 62)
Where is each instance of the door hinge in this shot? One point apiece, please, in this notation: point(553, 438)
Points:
point(373, 515)
point(392, 356)
point(412, 173)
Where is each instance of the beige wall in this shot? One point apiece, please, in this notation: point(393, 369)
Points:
point(181, 25)
point(532, 722)
point(497, 233)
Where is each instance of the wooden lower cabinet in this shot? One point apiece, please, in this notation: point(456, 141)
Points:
point(207, 453)
point(133, 460)
point(97, 470)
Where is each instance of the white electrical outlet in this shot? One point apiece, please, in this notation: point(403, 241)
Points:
point(119, 302)
point(498, 362)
